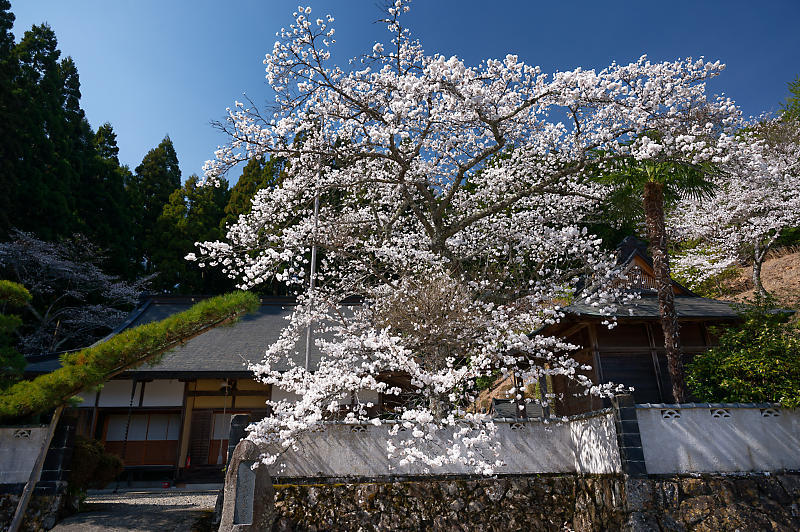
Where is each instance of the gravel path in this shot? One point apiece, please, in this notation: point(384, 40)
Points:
point(135, 512)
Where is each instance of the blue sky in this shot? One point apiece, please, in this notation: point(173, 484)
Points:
point(153, 68)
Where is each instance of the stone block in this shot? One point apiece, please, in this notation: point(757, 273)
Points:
point(623, 400)
point(630, 440)
point(633, 454)
point(790, 483)
point(639, 494)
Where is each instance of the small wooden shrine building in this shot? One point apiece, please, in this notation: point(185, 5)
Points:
point(632, 353)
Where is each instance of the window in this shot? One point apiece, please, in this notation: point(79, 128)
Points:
point(144, 427)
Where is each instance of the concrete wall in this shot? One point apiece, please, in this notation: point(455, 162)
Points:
point(19, 448)
point(719, 438)
point(584, 445)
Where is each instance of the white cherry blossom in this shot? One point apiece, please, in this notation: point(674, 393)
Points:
point(757, 197)
point(452, 200)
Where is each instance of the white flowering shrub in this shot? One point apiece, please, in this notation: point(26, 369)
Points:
point(450, 198)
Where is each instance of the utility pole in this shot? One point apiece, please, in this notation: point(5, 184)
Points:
point(312, 280)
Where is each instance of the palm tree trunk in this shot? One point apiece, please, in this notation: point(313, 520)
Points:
point(654, 219)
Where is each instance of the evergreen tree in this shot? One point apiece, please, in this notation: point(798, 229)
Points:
point(59, 177)
point(10, 144)
point(192, 215)
point(149, 190)
point(103, 203)
point(259, 173)
point(12, 363)
point(42, 195)
point(791, 107)
point(6, 25)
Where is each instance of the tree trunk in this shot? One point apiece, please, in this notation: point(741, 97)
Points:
point(654, 219)
point(33, 478)
point(758, 260)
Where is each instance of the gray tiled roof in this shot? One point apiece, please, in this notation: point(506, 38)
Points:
point(222, 350)
point(687, 307)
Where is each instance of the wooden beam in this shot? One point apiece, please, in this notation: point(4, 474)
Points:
point(181, 433)
point(595, 353)
point(572, 330)
point(95, 413)
point(238, 393)
point(646, 349)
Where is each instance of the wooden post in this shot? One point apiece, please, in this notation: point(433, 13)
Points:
point(656, 362)
point(95, 414)
point(25, 498)
point(595, 347)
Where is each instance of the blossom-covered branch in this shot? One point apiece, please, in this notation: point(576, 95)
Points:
point(451, 200)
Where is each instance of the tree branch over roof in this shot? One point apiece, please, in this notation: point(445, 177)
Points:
point(96, 364)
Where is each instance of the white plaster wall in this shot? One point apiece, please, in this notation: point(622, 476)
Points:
point(87, 398)
point(594, 441)
point(19, 447)
point(697, 442)
point(118, 393)
point(586, 445)
point(162, 393)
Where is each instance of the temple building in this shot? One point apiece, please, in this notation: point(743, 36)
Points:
point(174, 415)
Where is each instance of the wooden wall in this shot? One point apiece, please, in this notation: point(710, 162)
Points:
point(632, 354)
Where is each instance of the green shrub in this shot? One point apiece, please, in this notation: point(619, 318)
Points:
point(13, 294)
point(131, 348)
point(92, 468)
point(758, 361)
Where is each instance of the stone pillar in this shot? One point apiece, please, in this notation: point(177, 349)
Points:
point(249, 497)
point(628, 437)
point(237, 433)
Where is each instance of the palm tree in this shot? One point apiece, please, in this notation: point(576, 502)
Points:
point(658, 184)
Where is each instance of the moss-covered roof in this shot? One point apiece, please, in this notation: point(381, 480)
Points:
point(222, 351)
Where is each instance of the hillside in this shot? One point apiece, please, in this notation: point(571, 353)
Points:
point(780, 275)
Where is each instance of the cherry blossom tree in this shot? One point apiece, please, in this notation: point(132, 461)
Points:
point(756, 198)
point(449, 198)
point(75, 303)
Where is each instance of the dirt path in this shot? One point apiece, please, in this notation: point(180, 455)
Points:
point(145, 512)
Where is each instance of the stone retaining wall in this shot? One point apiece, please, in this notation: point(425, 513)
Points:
point(631, 467)
point(543, 503)
point(42, 513)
